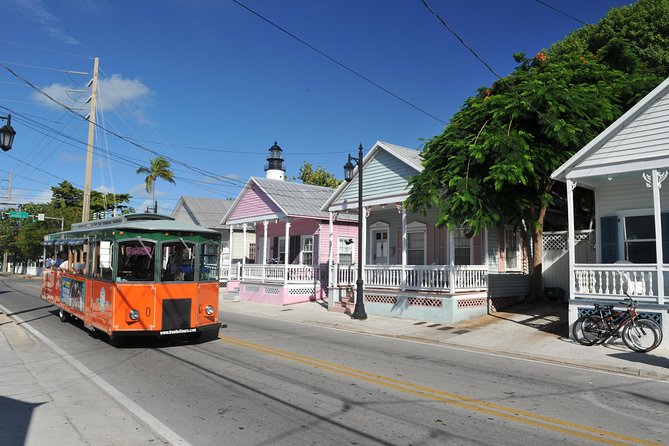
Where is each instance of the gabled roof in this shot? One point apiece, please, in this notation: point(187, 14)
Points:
point(292, 199)
point(206, 212)
point(407, 156)
point(638, 140)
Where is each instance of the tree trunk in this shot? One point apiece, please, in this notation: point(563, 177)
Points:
point(537, 288)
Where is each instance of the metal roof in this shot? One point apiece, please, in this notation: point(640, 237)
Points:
point(207, 212)
point(296, 199)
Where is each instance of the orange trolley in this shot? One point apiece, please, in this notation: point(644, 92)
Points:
point(136, 274)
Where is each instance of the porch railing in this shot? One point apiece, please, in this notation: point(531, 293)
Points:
point(612, 281)
point(416, 277)
point(280, 273)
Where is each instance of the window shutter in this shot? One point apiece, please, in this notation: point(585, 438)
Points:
point(275, 248)
point(295, 248)
point(609, 236)
point(665, 237)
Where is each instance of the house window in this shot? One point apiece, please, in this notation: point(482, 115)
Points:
point(640, 239)
point(512, 249)
point(463, 248)
point(281, 250)
point(252, 253)
point(345, 251)
point(307, 252)
point(416, 248)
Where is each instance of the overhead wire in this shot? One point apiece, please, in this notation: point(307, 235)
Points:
point(561, 12)
point(337, 62)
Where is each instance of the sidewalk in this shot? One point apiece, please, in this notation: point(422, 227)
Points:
point(525, 331)
point(43, 398)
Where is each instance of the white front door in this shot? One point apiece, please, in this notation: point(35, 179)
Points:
point(380, 253)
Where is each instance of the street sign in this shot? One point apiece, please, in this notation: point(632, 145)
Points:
point(15, 214)
point(40, 217)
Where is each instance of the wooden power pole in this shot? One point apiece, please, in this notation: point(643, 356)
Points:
point(89, 153)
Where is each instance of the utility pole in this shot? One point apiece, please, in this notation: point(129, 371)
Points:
point(9, 199)
point(89, 153)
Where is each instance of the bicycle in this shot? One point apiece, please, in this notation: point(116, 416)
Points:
point(638, 334)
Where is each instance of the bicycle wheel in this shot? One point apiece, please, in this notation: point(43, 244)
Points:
point(587, 330)
point(642, 335)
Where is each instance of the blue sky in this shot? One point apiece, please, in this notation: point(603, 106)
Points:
point(212, 85)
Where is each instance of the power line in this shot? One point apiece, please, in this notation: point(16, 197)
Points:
point(561, 12)
point(332, 59)
point(43, 68)
point(45, 49)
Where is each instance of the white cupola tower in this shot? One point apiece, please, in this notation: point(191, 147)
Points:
point(275, 169)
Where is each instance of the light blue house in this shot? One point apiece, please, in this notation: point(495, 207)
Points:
point(411, 268)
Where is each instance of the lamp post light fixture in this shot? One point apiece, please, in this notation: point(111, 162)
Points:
point(7, 134)
point(359, 311)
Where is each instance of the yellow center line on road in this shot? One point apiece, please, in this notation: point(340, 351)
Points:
point(520, 416)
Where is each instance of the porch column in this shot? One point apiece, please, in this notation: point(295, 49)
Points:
point(657, 212)
point(364, 242)
point(451, 262)
point(287, 252)
point(245, 246)
point(571, 245)
point(264, 242)
point(230, 251)
point(403, 284)
point(331, 251)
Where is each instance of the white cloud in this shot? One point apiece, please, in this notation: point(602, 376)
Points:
point(112, 93)
point(37, 12)
point(43, 197)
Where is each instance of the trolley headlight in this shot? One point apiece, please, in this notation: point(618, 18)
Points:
point(134, 314)
point(209, 309)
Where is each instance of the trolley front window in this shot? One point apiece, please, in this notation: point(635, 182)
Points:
point(178, 261)
point(209, 262)
point(136, 260)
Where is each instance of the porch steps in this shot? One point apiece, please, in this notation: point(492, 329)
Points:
point(345, 306)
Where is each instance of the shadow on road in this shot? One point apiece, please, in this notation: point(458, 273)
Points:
point(645, 358)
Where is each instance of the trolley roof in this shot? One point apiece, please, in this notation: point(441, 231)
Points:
point(139, 222)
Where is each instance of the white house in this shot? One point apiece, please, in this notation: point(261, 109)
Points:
point(626, 166)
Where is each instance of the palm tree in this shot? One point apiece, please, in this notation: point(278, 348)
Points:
point(159, 168)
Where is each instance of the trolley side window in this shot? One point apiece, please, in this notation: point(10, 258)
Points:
point(102, 260)
point(209, 262)
point(136, 260)
point(178, 261)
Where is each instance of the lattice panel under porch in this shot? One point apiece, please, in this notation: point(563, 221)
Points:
point(380, 299)
point(472, 302)
point(251, 288)
point(498, 303)
point(300, 291)
point(423, 302)
point(272, 290)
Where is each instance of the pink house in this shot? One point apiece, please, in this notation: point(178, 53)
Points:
point(293, 238)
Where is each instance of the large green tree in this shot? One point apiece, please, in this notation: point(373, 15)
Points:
point(159, 168)
point(317, 177)
point(492, 164)
point(23, 237)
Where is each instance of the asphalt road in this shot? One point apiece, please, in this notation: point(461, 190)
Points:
point(268, 382)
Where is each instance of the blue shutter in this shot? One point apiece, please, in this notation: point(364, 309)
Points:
point(609, 239)
point(665, 237)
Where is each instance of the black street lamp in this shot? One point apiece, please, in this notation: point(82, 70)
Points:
point(359, 311)
point(7, 134)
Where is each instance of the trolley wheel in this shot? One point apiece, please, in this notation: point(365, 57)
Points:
point(64, 315)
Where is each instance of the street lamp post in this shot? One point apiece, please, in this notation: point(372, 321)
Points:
point(7, 134)
point(359, 311)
